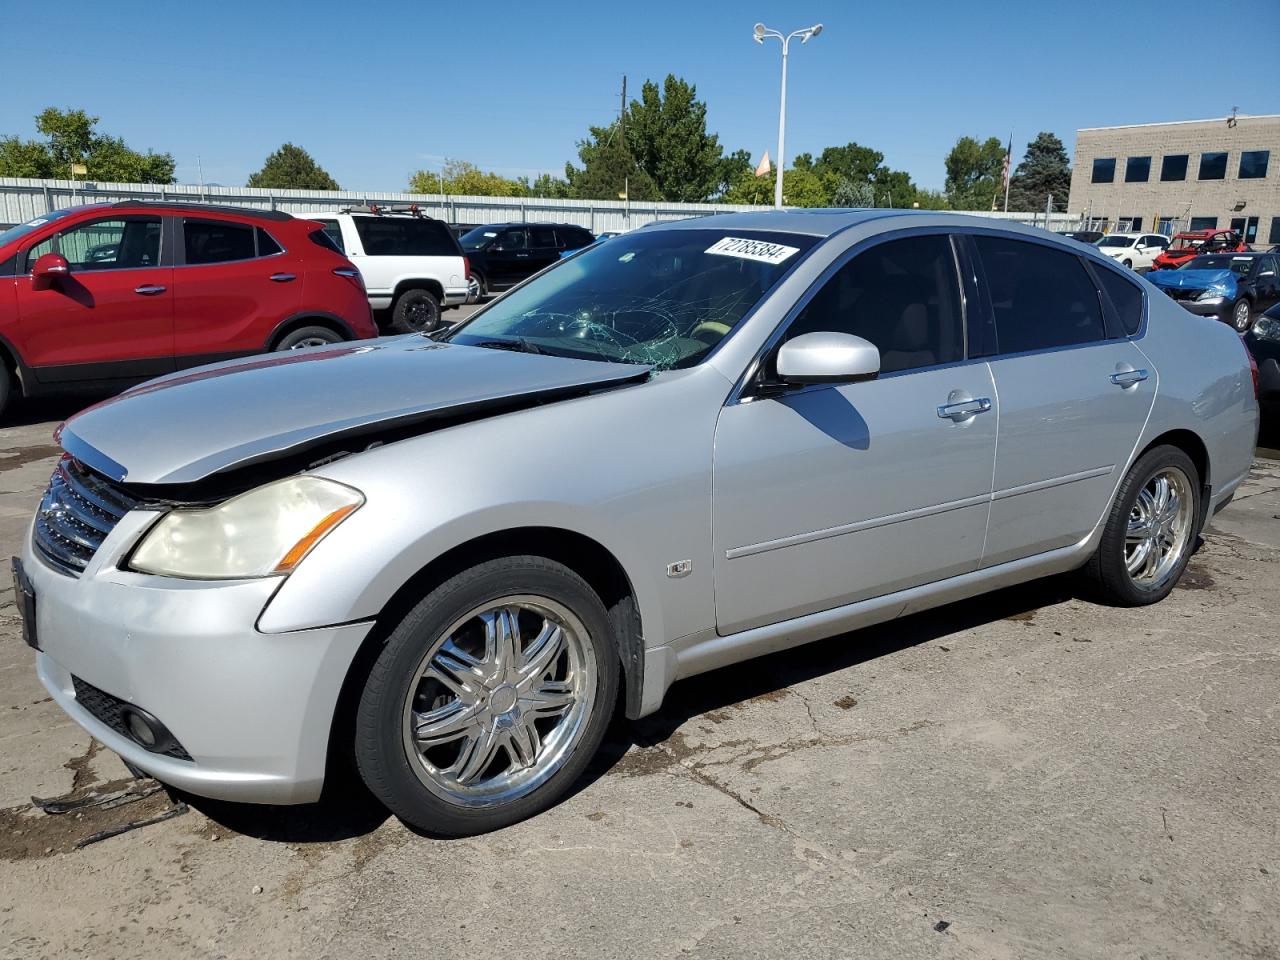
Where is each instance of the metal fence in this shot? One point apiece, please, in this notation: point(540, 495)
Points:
point(23, 199)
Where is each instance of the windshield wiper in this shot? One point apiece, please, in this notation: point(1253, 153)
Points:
point(517, 344)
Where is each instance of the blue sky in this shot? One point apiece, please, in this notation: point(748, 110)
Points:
point(375, 91)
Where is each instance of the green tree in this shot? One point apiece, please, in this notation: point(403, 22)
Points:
point(974, 173)
point(465, 179)
point(548, 185)
point(1044, 170)
point(667, 135)
point(849, 193)
point(800, 188)
point(292, 168)
point(70, 137)
point(732, 166)
point(608, 169)
point(857, 176)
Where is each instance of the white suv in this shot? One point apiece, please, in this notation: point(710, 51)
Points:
point(1137, 251)
point(411, 263)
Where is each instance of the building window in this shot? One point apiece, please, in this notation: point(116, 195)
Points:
point(1275, 230)
point(1135, 223)
point(1173, 167)
point(1253, 164)
point(1204, 223)
point(1213, 166)
point(1137, 170)
point(1104, 170)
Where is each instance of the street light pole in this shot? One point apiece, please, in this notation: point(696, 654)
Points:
point(759, 34)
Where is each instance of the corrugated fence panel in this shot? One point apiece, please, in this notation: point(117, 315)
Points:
point(23, 199)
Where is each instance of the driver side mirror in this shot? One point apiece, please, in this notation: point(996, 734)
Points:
point(48, 268)
point(826, 357)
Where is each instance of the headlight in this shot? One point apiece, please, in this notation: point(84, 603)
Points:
point(1268, 328)
point(261, 533)
point(1211, 295)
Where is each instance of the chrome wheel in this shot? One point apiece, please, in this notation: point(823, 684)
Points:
point(310, 342)
point(1160, 528)
point(1240, 316)
point(500, 701)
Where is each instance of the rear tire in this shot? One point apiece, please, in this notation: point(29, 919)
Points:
point(415, 311)
point(445, 729)
point(309, 337)
point(477, 288)
point(1150, 532)
point(1129, 264)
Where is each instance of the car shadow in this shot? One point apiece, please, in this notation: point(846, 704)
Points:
point(30, 411)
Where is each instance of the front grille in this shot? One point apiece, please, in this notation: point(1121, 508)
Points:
point(78, 511)
point(110, 710)
point(1178, 294)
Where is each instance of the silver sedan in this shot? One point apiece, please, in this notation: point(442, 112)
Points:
point(700, 442)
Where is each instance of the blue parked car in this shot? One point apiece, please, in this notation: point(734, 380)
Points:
point(1229, 286)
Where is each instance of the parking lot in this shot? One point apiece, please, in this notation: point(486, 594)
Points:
point(1024, 774)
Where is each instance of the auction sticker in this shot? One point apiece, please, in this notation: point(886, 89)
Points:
point(745, 249)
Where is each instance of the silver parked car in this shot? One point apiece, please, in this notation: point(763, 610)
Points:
point(697, 443)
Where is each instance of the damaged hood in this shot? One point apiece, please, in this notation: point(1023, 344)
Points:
point(1192, 279)
point(189, 426)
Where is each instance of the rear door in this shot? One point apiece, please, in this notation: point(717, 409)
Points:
point(234, 284)
point(1074, 394)
point(543, 250)
point(1267, 283)
point(112, 316)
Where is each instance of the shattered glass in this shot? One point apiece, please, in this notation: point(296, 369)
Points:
point(654, 297)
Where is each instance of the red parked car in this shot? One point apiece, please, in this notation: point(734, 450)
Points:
point(1191, 244)
point(103, 296)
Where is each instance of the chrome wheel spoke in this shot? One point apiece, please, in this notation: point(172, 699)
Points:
point(445, 724)
point(548, 698)
point(476, 755)
point(524, 741)
point(1138, 558)
point(546, 648)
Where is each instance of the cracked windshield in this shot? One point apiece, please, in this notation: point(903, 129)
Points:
point(663, 297)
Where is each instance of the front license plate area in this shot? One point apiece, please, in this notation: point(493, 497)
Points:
point(24, 596)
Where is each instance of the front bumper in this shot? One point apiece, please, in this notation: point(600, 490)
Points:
point(1221, 310)
point(252, 710)
point(1269, 379)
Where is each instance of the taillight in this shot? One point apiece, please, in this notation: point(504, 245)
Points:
point(466, 268)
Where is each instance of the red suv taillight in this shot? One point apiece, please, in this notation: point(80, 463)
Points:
point(352, 274)
point(1253, 369)
point(466, 268)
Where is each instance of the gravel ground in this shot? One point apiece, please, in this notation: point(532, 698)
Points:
point(1025, 774)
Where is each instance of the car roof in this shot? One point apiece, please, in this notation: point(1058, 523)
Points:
point(201, 208)
point(527, 223)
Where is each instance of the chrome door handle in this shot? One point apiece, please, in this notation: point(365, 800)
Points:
point(1127, 378)
point(283, 277)
point(148, 289)
point(964, 409)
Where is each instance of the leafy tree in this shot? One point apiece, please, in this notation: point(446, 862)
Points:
point(548, 185)
point(800, 188)
point(667, 136)
point(931, 200)
point(974, 173)
point(732, 166)
point(466, 179)
point(608, 169)
point(857, 176)
point(1044, 170)
point(70, 138)
point(849, 193)
point(292, 168)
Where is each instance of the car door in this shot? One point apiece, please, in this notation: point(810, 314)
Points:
point(543, 250)
point(1074, 395)
point(830, 494)
point(111, 317)
point(233, 284)
point(1267, 284)
point(1151, 248)
point(508, 258)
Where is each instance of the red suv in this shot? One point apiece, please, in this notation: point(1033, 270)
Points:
point(106, 295)
point(1191, 244)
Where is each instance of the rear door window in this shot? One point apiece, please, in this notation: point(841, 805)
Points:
point(1041, 298)
point(573, 238)
point(405, 237)
point(217, 241)
point(542, 237)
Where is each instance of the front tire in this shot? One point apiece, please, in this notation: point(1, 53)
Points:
point(489, 698)
point(415, 311)
point(309, 337)
point(1151, 530)
point(1241, 315)
point(1129, 264)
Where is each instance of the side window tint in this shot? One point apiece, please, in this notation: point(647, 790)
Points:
point(105, 245)
point(1041, 297)
point(572, 239)
point(267, 244)
point(405, 237)
point(217, 241)
point(1125, 296)
point(902, 296)
point(541, 237)
point(510, 240)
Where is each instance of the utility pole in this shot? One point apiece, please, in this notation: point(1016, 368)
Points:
point(622, 114)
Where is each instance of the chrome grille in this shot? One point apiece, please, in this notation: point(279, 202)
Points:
point(77, 512)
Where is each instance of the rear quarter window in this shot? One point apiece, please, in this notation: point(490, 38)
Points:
point(404, 237)
point(1125, 297)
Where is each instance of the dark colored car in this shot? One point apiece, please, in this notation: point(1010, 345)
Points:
point(503, 254)
point(1084, 236)
point(1263, 342)
point(103, 296)
point(1192, 243)
point(1229, 286)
